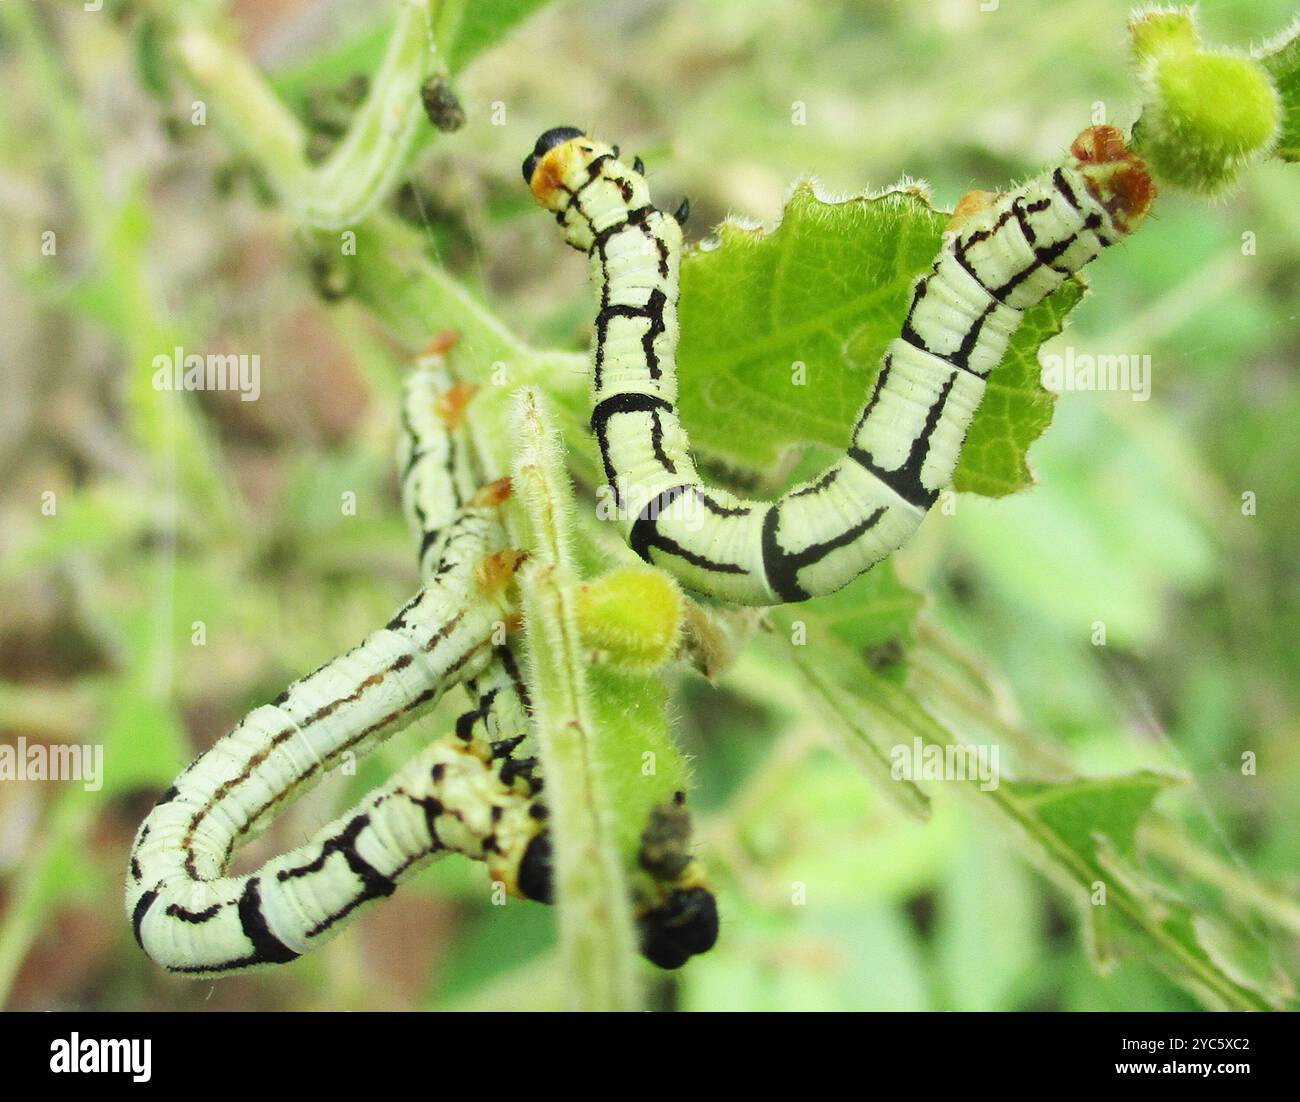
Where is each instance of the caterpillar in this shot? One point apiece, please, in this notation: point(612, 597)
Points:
point(455, 796)
point(1001, 254)
point(468, 793)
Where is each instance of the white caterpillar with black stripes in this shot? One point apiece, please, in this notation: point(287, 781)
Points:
point(1001, 255)
point(476, 792)
point(467, 793)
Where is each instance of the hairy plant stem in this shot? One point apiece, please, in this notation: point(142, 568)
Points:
point(377, 147)
point(596, 932)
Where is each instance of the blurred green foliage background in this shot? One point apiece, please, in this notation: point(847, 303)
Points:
point(171, 512)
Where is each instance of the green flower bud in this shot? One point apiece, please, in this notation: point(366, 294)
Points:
point(1207, 117)
point(632, 616)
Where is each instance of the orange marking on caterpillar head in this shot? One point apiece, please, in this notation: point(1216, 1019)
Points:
point(970, 206)
point(492, 495)
point(550, 180)
point(1116, 176)
point(442, 343)
point(562, 163)
point(450, 404)
point(558, 164)
point(497, 571)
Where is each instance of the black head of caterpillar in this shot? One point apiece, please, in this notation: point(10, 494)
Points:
point(582, 182)
point(556, 136)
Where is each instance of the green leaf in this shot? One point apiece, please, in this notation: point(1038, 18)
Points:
point(1222, 968)
point(827, 289)
point(1016, 409)
point(875, 610)
point(1089, 826)
point(1079, 832)
point(1078, 813)
point(1281, 58)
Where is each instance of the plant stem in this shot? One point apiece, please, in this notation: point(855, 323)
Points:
point(389, 271)
point(377, 147)
point(383, 136)
point(596, 930)
point(1273, 906)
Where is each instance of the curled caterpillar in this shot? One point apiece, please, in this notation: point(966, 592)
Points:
point(194, 919)
point(474, 792)
point(465, 794)
point(1001, 255)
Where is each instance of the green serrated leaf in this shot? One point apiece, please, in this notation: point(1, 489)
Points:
point(827, 289)
point(1222, 969)
point(1017, 408)
point(1092, 823)
point(1281, 58)
point(1079, 831)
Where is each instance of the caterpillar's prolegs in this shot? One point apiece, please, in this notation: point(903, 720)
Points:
point(1002, 255)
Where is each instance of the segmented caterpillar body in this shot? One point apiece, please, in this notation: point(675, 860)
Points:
point(1001, 255)
point(437, 475)
point(191, 917)
point(465, 794)
point(474, 792)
